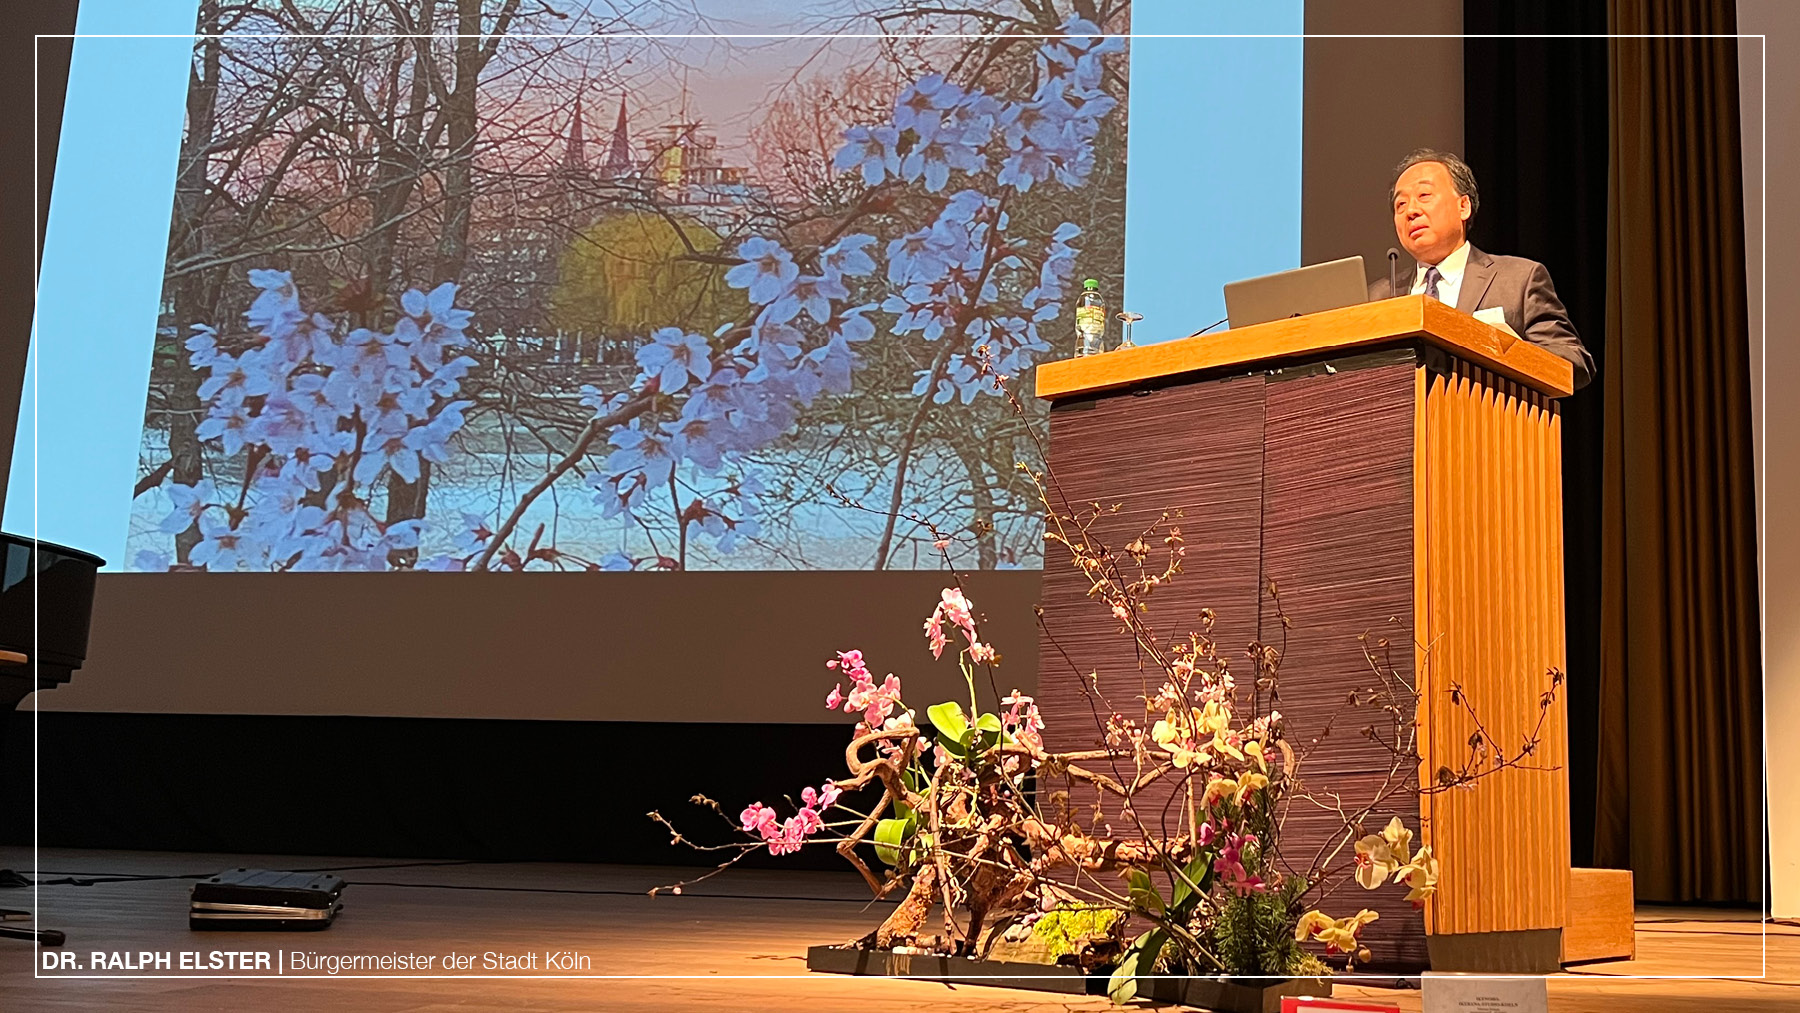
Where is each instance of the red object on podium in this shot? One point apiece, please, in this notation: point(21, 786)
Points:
point(1303, 1004)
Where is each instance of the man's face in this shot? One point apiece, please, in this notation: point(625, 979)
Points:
point(1429, 216)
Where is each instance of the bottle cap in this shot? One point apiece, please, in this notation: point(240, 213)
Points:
point(1089, 285)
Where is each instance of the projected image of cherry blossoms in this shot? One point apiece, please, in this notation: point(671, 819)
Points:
point(526, 296)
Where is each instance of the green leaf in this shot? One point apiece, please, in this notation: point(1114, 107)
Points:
point(1123, 986)
point(1144, 895)
point(890, 834)
point(989, 726)
point(1198, 871)
point(948, 718)
point(1140, 958)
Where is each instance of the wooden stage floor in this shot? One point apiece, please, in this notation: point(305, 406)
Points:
point(737, 943)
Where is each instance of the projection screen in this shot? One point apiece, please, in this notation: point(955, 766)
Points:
point(679, 328)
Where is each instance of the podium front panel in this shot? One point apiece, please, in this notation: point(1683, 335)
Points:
point(1404, 501)
point(1302, 476)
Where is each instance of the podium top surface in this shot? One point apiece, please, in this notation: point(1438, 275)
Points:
point(1350, 329)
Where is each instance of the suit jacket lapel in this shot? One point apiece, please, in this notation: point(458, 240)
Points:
point(1478, 274)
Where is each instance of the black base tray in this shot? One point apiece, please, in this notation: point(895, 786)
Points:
point(1248, 995)
point(957, 970)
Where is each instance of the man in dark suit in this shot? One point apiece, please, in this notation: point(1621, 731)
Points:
point(1434, 199)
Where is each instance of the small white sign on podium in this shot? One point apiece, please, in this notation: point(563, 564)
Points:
point(1474, 993)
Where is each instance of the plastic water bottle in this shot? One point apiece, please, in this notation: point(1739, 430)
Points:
point(1090, 319)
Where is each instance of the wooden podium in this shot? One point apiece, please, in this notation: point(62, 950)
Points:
point(1395, 467)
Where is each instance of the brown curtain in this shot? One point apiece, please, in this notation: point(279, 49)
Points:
point(1680, 792)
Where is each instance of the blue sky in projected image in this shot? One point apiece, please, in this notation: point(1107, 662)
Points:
point(1213, 195)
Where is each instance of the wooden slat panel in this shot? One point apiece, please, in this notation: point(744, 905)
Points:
point(1491, 509)
point(1338, 541)
point(1352, 328)
point(1197, 448)
point(1557, 734)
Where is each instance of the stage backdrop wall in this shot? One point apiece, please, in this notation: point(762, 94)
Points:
point(1362, 117)
point(394, 655)
point(381, 623)
point(602, 661)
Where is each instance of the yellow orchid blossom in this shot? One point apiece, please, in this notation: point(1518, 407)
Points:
point(1183, 757)
point(1248, 783)
point(1216, 789)
point(1309, 923)
point(1164, 732)
point(1420, 876)
point(1168, 736)
point(1375, 861)
point(1254, 749)
point(1215, 718)
point(1399, 839)
point(1339, 935)
point(1380, 856)
point(1222, 743)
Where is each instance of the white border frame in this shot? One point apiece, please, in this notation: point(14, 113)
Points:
point(37, 218)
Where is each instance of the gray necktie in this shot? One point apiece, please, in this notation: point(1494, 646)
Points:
point(1432, 277)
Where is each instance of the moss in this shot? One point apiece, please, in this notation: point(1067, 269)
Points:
point(1063, 930)
point(1310, 966)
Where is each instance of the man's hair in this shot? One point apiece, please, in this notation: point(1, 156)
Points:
point(1461, 177)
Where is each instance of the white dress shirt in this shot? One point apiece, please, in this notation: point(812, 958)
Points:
point(1451, 267)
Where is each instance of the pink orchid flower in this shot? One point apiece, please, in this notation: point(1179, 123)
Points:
point(934, 635)
point(955, 609)
point(757, 818)
point(789, 839)
point(1230, 865)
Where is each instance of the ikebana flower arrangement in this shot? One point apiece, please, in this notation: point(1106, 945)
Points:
point(1060, 854)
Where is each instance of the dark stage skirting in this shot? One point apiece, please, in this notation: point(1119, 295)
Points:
point(417, 787)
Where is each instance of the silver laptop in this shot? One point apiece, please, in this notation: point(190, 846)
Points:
point(1294, 293)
